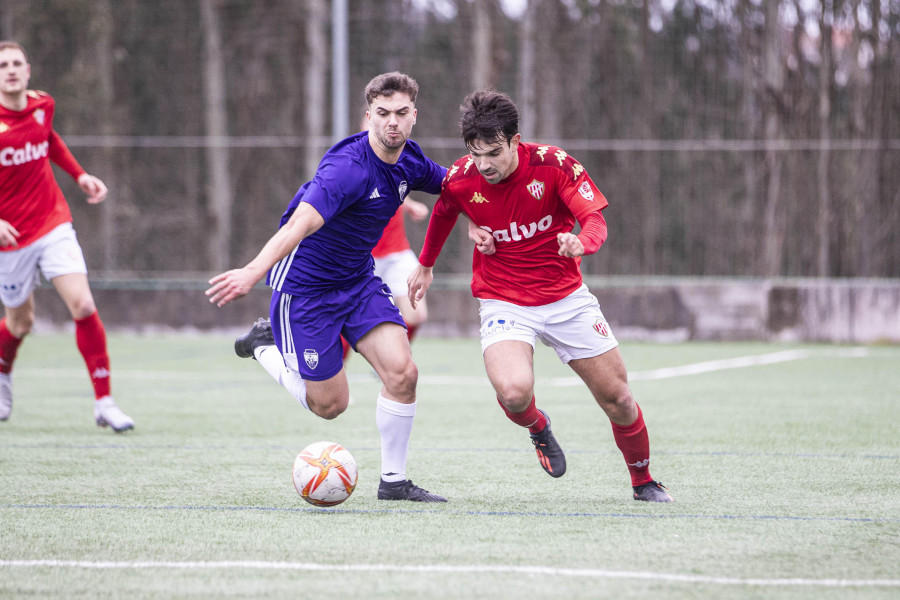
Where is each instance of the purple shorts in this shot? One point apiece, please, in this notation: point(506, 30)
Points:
point(308, 329)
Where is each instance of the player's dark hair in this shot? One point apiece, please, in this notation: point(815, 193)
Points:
point(488, 116)
point(388, 83)
point(6, 44)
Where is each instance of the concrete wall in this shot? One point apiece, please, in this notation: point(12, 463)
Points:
point(665, 309)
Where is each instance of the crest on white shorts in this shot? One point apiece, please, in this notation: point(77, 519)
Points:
point(601, 327)
point(311, 357)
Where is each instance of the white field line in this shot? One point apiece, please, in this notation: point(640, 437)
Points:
point(467, 569)
point(652, 374)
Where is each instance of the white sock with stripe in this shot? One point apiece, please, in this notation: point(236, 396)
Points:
point(273, 362)
point(395, 421)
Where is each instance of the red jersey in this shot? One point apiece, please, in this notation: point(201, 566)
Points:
point(394, 237)
point(544, 196)
point(30, 198)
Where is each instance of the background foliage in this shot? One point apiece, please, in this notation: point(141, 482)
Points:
point(732, 137)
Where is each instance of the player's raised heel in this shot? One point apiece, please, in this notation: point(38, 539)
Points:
point(652, 491)
point(107, 413)
point(5, 396)
point(406, 490)
point(549, 452)
point(260, 334)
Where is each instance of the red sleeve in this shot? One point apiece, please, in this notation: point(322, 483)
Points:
point(60, 154)
point(440, 225)
point(593, 232)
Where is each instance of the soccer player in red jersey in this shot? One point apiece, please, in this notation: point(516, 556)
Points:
point(524, 200)
point(36, 233)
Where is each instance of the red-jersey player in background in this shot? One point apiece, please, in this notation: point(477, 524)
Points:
point(524, 200)
point(36, 233)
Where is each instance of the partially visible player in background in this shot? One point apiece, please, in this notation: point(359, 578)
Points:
point(524, 200)
point(37, 236)
point(394, 261)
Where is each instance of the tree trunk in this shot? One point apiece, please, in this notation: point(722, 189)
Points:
point(526, 99)
point(823, 222)
point(481, 42)
point(316, 61)
point(220, 197)
point(773, 82)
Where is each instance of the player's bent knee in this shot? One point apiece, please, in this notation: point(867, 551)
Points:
point(402, 380)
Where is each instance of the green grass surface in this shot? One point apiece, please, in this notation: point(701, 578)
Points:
point(785, 476)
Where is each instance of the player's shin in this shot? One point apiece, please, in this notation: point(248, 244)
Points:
point(395, 421)
point(634, 443)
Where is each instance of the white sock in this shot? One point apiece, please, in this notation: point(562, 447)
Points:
point(272, 361)
point(395, 421)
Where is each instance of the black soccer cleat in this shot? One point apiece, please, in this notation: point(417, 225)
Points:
point(406, 490)
point(652, 491)
point(259, 335)
point(549, 452)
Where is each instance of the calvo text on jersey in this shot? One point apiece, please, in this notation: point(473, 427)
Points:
point(516, 232)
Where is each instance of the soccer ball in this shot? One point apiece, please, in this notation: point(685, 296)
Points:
point(324, 474)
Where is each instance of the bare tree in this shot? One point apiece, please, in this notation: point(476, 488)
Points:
point(219, 191)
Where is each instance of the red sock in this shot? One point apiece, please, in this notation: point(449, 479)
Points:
point(9, 345)
point(634, 443)
point(90, 337)
point(531, 417)
point(346, 346)
point(411, 331)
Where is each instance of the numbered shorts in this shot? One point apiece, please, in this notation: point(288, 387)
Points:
point(394, 270)
point(308, 330)
point(574, 326)
point(52, 255)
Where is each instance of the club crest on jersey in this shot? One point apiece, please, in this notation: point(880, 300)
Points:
point(601, 327)
point(40, 115)
point(312, 358)
point(585, 190)
point(3, 127)
point(536, 189)
point(404, 187)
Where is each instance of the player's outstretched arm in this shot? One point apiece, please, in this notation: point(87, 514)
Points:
point(237, 283)
point(418, 283)
point(484, 241)
point(94, 188)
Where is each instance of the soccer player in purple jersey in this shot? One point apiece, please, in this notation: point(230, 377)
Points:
point(320, 268)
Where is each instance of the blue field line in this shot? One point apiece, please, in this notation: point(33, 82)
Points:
point(471, 513)
point(203, 447)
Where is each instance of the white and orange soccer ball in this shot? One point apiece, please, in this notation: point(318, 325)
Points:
point(325, 473)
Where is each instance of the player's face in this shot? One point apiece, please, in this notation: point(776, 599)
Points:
point(14, 71)
point(391, 119)
point(495, 160)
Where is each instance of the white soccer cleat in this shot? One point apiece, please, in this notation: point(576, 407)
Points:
point(107, 413)
point(5, 396)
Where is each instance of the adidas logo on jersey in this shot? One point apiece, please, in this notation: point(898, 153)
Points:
point(374, 194)
point(10, 156)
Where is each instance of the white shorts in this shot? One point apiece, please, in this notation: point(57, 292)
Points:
point(55, 254)
point(574, 326)
point(394, 269)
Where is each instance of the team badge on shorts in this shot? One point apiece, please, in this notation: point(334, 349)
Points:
point(601, 327)
point(312, 358)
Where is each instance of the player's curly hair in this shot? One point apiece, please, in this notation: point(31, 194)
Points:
point(388, 83)
point(489, 116)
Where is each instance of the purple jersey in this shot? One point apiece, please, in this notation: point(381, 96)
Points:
point(357, 194)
